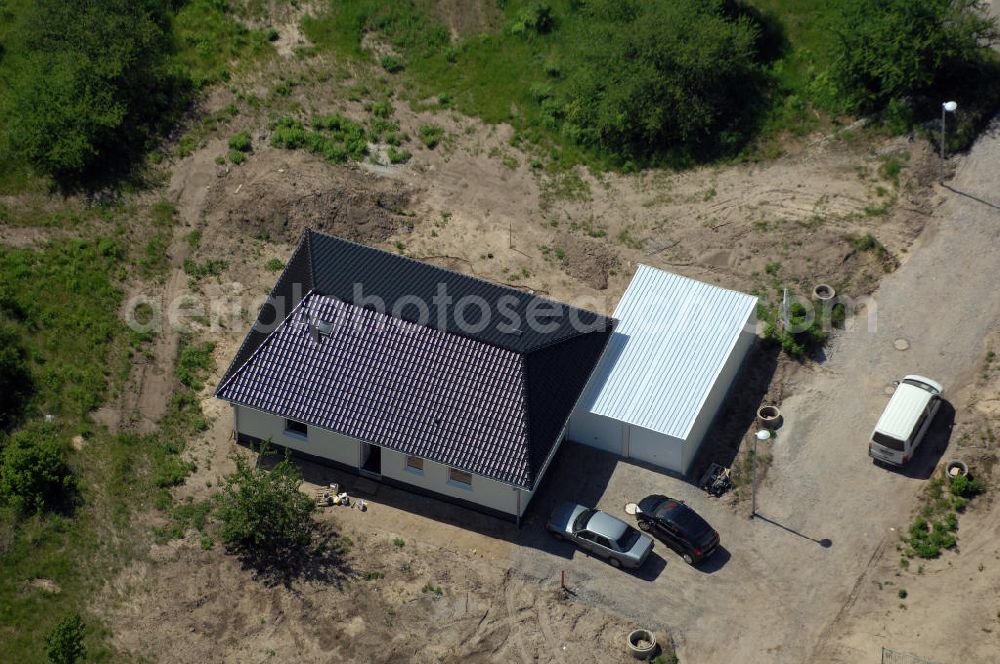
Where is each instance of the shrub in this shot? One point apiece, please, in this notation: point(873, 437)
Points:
point(537, 18)
point(193, 362)
point(241, 142)
point(966, 487)
point(431, 135)
point(33, 474)
point(264, 515)
point(274, 265)
point(383, 109)
point(398, 156)
point(287, 133)
point(64, 644)
point(928, 538)
point(891, 50)
point(391, 63)
point(237, 157)
point(665, 76)
point(95, 84)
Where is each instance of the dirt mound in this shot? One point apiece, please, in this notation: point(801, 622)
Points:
point(275, 198)
point(585, 259)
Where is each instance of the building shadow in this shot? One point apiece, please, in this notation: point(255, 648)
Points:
point(738, 411)
point(933, 447)
point(578, 474)
point(319, 472)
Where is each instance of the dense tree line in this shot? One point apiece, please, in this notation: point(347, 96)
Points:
point(92, 83)
point(658, 75)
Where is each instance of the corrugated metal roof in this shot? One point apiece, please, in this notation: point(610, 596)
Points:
point(673, 338)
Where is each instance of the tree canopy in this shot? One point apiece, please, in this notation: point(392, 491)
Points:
point(665, 75)
point(892, 50)
point(264, 515)
point(92, 81)
point(34, 475)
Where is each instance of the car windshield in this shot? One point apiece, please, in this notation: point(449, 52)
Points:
point(666, 509)
point(917, 383)
point(888, 441)
point(687, 521)
point(628, 540)
point(581, 521)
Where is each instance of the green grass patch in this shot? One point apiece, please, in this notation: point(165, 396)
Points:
point(210, 40)
point(334, 137)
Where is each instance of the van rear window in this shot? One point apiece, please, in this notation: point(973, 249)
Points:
point(888, 441)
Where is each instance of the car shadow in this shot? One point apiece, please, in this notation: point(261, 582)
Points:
point(715, 562)
point(935, 444)
point(651, 569)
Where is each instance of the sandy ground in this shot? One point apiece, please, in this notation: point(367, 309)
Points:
point(776, 594)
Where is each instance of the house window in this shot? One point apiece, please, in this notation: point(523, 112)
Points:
point(460, 477)
point(295, 428)
point(415, 464)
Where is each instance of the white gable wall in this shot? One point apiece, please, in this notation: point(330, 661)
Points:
point(597, 431)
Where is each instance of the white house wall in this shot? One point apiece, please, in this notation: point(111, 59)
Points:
point(329, 445)
point(319, 442)
point(434, 477)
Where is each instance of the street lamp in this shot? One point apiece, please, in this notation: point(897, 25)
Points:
point(763, 434)
point(946, 107)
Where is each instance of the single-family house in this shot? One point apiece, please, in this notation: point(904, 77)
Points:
point(412, 374)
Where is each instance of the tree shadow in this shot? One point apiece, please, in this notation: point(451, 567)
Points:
point(322, 561)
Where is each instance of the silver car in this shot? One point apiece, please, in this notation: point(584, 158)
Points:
point(601, 534)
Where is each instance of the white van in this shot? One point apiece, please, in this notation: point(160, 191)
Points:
point(905, 420)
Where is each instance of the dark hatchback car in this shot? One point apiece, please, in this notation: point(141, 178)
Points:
point(678, 526)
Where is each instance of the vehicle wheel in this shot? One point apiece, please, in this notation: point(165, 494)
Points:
point(688, 559)
point(644, 525)
point(559, 536)
point(614, 562)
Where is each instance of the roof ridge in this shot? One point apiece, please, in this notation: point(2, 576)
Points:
point(473, 277)
point(263, 343)
point(231, 369)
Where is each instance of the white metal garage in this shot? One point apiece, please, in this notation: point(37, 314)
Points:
point(678, 346)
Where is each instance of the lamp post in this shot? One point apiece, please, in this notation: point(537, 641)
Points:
point(763, 434)
point(946, 107)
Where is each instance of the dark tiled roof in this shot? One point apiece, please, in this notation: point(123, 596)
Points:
point(490, 401)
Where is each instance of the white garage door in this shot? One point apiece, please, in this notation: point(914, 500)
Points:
point(596, 431)
point(656, 448)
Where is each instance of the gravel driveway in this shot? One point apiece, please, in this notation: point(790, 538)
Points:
point(775, 592)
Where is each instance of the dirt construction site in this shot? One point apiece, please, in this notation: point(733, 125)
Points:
point(815, 576)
